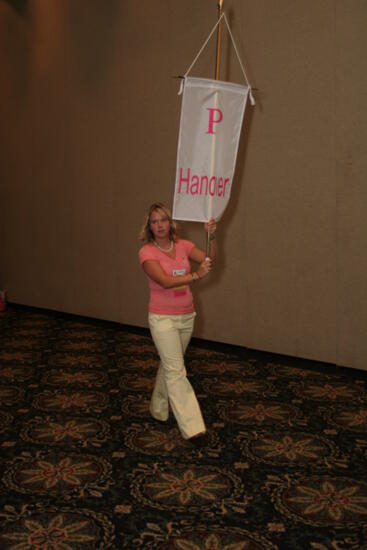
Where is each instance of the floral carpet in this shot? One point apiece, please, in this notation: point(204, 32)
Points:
point(83, 465)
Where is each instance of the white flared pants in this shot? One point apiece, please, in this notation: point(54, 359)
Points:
point(171, 335)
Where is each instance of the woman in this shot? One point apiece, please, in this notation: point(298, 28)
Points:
point(165, 259)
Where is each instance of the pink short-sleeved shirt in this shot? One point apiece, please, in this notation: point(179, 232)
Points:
point(169, 301)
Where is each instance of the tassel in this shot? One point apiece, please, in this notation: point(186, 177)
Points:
point(252, 99)
point(181, 86)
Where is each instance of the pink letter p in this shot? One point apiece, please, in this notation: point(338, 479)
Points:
point(213, 120)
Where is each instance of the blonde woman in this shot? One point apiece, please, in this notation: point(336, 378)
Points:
point(165, 259)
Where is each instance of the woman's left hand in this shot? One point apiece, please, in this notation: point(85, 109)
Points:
point(211, 226)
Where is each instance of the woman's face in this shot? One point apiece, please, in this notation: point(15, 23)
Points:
point(159, 224)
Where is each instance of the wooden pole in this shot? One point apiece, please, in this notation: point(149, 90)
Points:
point(217, 73)
point(219, 40)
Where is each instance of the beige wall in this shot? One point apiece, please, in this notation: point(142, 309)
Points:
point(88, 138)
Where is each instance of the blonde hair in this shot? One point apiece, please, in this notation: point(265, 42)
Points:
point(146, 234)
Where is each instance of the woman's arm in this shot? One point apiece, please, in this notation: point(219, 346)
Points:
point(155, 271)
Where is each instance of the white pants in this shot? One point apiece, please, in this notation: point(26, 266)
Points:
point(171, 335)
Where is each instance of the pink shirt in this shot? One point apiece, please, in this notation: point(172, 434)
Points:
point(169, 301)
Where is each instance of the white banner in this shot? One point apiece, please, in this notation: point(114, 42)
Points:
point(211, 120)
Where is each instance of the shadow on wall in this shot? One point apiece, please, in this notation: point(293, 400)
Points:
point(15, 51)
point(88, 32)
point(93, 29)
point(223, 261)
point(20, 6)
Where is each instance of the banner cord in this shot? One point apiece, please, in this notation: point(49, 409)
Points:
point(252, 100)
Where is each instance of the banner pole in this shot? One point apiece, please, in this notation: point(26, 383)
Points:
point(217, 72)
point(219, 40)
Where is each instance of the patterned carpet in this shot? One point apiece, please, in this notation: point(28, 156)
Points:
point(84, 466)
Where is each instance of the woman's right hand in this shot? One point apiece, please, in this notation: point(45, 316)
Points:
point(204, 268)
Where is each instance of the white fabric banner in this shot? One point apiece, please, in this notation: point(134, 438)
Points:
point(211, 120)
